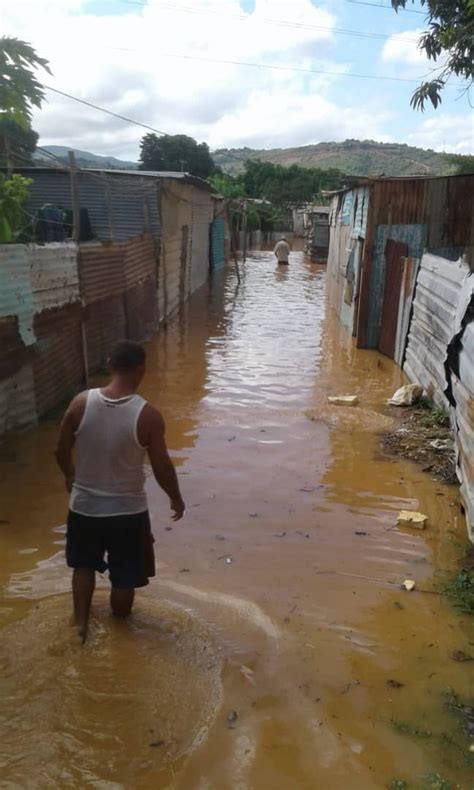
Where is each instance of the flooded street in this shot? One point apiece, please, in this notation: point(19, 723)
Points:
point(260, 657)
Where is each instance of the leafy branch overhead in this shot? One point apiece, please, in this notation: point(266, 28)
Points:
point(20, 91)
point(450, 37)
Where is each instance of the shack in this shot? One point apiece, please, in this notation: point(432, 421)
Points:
point(144, 243)
point(401, 279)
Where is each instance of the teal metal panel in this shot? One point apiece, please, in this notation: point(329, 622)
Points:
point(412, 235)
point(217, 244)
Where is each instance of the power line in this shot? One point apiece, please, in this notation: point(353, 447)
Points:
point(266, 20)
point(103, 109)
point(385, 7)
point(271, 66)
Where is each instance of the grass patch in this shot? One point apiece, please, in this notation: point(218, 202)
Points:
point(429, 782)
point(435, 416)
point(405, 728)
point(460, 590)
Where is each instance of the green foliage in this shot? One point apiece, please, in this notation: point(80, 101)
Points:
point(17, 144)
point(460, 590)
point(450, 35)
point(176, 152)
point(435, 416)
point(284, 185)
point(20, 91)
point(231, 187)
point(398, 784)
point(13, 193)
point(464, 164)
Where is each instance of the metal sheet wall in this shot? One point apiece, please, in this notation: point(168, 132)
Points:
point(120, 206)
point(217, 244)
point(58, 366)
point(440, 354)
point(203, 214)
point(412, 235)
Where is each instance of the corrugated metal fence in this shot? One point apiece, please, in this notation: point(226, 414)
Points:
point(61, 309)
point(440, 354)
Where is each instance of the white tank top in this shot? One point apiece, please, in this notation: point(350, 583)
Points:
point(110, 475)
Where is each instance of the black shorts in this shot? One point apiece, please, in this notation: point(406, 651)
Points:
point(127, 541)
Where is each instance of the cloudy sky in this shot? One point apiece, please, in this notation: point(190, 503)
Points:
point(176, 65)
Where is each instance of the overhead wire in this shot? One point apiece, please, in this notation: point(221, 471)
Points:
point(266, 20)
point(386, 7)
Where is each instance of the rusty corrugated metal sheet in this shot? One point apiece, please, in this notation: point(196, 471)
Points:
point(17, 400)
point(58, 366)
point(101, 271)
point(53, 274)
point(105, 324)
point(139, 260)
point(16, 295)
point(142, 310)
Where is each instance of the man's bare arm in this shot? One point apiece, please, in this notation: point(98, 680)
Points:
point(163, 469)
point(66, 437)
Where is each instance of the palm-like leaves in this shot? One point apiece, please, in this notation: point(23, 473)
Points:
point(20, 91)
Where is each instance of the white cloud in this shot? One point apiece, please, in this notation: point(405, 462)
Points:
point(451, 133)
point(126, 64)
point(403, 48)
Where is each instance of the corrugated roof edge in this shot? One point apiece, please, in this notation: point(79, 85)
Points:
point(158, 174)
point(360, 181)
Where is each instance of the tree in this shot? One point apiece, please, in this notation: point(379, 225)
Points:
point(176, 152)
point(20, 91)
point(451, 35)
point(228, 186)
point(13, 193)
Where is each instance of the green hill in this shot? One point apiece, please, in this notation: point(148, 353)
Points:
point(354, 157)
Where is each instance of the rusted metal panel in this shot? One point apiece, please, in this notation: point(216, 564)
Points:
point(101, 271)
point(142, 310)
point(17, 400)
point(413, 236)
point(395, 254)
point(58, 366)
point(54, 274)
point(16, 295)
point(139, 260)
point(13, 352)
point(105, 324)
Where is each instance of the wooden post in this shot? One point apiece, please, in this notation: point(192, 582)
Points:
point(76, 212)
point(244, 230)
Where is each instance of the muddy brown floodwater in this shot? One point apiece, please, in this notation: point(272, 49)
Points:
point(260, 656)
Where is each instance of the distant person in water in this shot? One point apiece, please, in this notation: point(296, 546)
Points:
point(282, 251)
point(110, 430)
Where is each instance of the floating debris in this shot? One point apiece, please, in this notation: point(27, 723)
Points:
point(343, 400)
point(409, 585)
point(412, 518)
point(406, 395)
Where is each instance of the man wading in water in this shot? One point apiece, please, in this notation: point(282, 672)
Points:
point(111, 429)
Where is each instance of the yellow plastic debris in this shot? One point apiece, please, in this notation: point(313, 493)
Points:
point(412, 518)
point(409, 585)
point(343, 400)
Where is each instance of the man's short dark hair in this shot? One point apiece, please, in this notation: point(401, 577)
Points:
point(127, 355)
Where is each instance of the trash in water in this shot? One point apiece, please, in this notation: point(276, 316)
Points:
point(409, 585)
point(406, 395)
point(247, 673)
point(232, 717)
point(459, 655)
point(228, 560)
point(343, 400)
point(394, 684)
point(253, 515)
point(440, 444)
point(357, 532)
point(412, 518)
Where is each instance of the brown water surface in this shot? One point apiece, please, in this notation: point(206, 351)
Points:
point(259, 657)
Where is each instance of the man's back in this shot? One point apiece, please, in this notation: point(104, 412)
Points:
point(282, 251)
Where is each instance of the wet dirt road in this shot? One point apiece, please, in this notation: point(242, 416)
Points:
point(260, 656)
